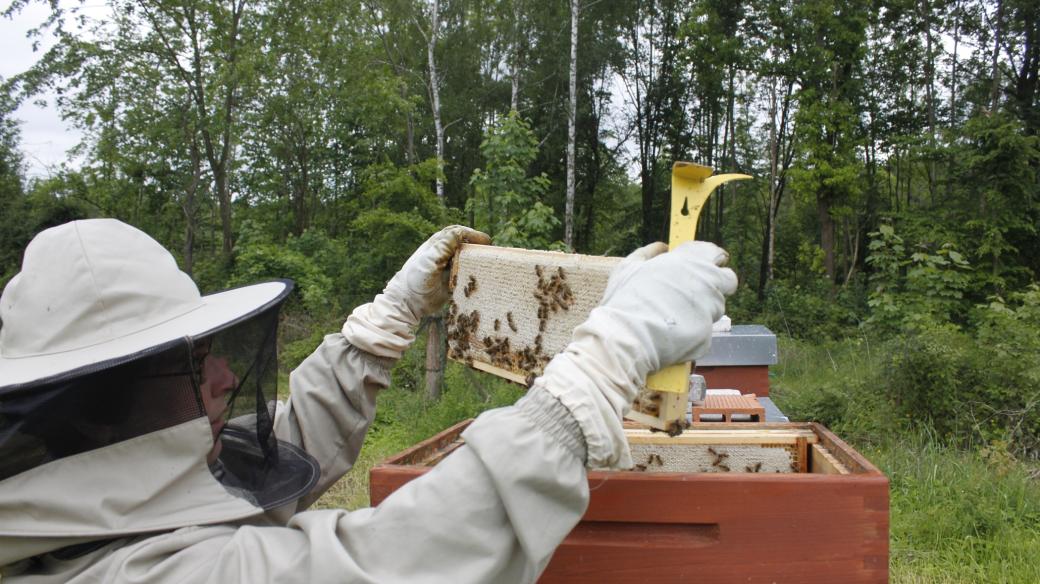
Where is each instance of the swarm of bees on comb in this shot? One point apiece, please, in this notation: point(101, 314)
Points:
point(513, 310)
point(553, 295)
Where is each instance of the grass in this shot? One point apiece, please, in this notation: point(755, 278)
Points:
point(957, 514)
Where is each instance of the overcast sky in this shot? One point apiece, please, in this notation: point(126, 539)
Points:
point(45, 137)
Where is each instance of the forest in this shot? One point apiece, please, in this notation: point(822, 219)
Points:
point(889, 236)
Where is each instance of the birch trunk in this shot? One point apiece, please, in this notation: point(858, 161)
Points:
point(435, 95)
point(930, 96)
point(514, 75)
point(995, 64)
point(568, 236)
point(434, 340)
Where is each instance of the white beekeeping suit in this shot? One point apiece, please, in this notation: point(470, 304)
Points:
point(139, 441)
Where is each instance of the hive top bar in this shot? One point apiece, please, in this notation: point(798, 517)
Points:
point(749, 344)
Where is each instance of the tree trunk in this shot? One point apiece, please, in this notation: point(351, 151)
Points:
point(190, 206)
point(224, 199)
point(572, 107)
point(514, 61)
point(1027, 78)
point(646, 185)
point(953, 66)
point(998, 33)
point(435, 96)
point(595, 172)
point(823, 213)
point(409, 147)
point(765, 273)
point(929, 67)
point(434, 351)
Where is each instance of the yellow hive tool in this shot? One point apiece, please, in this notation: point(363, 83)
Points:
point(692, 184)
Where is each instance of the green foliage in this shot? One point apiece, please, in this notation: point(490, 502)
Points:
point(974, 388)
point(508, 202)
point(802, 310)
point(405, 416)
point(915, 284)
point(298, 259)
point(14, 207)
point(1001, 201)
point(837, 383)
point(957, 515)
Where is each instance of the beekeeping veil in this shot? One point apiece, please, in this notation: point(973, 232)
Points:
point(103, 429)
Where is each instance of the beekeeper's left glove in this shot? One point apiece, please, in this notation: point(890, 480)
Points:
point(384, 326)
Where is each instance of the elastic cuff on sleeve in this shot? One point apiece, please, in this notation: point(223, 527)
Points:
point(542, 408)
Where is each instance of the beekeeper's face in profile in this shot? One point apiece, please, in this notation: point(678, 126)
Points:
point(216, 381)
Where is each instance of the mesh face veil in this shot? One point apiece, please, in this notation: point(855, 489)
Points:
point(97, 407)
point(229, 375)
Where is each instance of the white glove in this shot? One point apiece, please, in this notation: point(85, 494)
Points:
point(657, 310)
point(384, 326)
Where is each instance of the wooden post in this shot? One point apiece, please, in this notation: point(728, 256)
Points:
point(434, 362)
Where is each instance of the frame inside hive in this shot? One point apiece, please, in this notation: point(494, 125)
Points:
point(770, 449)
point(513, 309)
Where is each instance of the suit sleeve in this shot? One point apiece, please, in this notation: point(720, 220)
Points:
point(331, 405)
point(492, 511)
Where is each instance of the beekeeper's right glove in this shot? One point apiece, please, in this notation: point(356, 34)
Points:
point(657, 310)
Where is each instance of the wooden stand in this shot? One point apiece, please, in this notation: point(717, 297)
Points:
point(824, 521)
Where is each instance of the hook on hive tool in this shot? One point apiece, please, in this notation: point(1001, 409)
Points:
point(692, 184)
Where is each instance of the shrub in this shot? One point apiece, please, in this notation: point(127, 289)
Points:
point(975, 389)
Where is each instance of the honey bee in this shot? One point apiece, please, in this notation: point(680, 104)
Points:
point(754, 467)
point(719, 457)
point(676, 427)
point(509, 319)
point(471, 287)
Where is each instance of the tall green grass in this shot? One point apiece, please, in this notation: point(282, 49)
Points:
point(958, 514)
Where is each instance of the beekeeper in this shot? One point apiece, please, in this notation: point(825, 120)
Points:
point(140, 440)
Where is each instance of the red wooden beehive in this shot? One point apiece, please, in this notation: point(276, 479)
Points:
point(825, 521)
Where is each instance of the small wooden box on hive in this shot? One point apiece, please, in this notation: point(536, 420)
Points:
point(728, 405)
point(776, 503)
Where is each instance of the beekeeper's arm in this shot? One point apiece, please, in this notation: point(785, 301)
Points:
point(495, 510)
point(333, 392)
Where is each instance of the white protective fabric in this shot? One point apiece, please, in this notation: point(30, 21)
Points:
point(657, 310)
point(493, 511)
point(74, 304)
point(420, 288)
point(472, 519)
